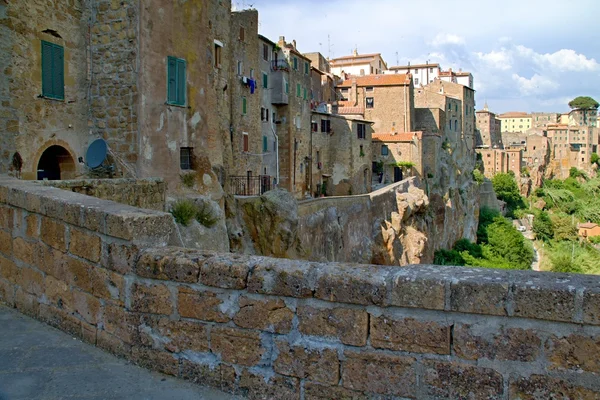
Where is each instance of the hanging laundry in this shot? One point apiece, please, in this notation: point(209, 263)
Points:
point(252, 85)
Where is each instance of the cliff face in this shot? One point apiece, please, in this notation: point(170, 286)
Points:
point(404, 223)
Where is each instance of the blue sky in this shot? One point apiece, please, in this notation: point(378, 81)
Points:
point(527, 55)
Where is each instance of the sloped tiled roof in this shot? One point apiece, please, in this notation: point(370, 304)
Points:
point(588, 225)
point(514, 114)
point(378, 80)
point(351, 110)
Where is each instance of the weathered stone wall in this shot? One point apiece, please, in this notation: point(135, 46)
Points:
point(143, 193)
point(29, 122)
point(269, 328)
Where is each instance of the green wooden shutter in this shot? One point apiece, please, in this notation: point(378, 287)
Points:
point(287, 87)
point(243, 105)
point(265, 81)
point(306, 68)
point(265, 144)
point(171, 80)
point(181, 87)
point(58, 72)
point(47, 69)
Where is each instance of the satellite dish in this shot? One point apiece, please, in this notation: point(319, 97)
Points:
point(96, 153)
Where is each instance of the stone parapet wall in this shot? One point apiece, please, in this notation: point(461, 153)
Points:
point(143, 193)
point(273, 328)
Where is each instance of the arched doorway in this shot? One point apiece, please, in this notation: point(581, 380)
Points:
point(55, 163)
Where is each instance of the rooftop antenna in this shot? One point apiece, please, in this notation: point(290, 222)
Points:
point(397, 59)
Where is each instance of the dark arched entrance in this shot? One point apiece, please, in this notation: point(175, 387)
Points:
point(55, 163)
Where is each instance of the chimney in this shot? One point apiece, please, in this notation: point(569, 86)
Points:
point(281, 42)
point(355, 52)
point(354, 92)
point(409, 63)
point(294, 44)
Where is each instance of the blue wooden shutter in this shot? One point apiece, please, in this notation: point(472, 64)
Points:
point(181, 82)
point(58, 72)
point(171, 80)
point(47, 69)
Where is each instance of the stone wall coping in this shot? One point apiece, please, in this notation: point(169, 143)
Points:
point(102, 216)
point(527, 294)
point(97, 182)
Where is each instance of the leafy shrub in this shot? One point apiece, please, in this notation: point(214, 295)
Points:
point(184, 211)
point(188, 180)
point(542, 226)
point(205, 216)
point(507, 190)
point(478, 176)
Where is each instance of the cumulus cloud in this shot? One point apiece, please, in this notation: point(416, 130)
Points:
point(446, 38)
point(536, 85)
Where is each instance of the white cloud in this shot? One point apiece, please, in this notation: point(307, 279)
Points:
point(501, 59)
point(537, 85)
point(447, 38)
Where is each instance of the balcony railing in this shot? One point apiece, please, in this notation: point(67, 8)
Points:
point(249, 185)
point(280, 65)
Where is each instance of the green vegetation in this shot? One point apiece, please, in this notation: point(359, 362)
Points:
point(478, 176)
point(184, 211)
point(499, 245)
point(594, 159)
point(188, 180)
point(403, 164)
point(584, 102)
point(507, 190)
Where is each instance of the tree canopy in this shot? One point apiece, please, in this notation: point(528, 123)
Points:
point(584, 102)
point(507, 190)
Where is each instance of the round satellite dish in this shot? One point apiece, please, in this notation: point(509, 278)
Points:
point(96, 153)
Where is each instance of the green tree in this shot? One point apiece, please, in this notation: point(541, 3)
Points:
point(594, 159)
point(478, 176)
point(509, 243)
point(584, 102)
point(507, 190)
point(486, 217)
point(542, 226)
point(563, 228)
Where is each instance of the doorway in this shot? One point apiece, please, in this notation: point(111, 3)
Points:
point(55, 164)
point(397, 174)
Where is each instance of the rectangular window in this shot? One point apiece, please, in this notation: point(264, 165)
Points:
point(384, 150)
point(176, 81)
point(265, 80)
point(314, 127)
point(362, 131)
point(242, 33)
point(325, 126)
point(265, 52)
point(251, 73)
point(218, 55)
point(53, 71)
point(244, 105)
point(262, 113)
point(240, 68)
point(295, 63)
point(368, 89)
point(304, 95)
point(306, 68)
point(298, 91)
point(185, 157)
point(245, 142)
point(370, 102)
point(265, 144)
point(416, 81)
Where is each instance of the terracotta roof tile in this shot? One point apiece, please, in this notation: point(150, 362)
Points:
point(514, 114)
point(414, 66)
point(588, 225)
point(356, 56)
point(351, 110)
point(378, 80)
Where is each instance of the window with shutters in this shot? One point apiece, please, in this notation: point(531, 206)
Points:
point(314, 127)
point(362, 131)
point(265, 80)
point(244, 105)
point(185, 157)
point(242, 33)
point(265, 52)
point(384, 150)
point(53, 71)
point(298, 90)
point(176, 81)
point(304, 95)
point(306, 68)
point(265, 144)
point(325, 126)
point(295, 64)
point(287, 87)
point(218, 50)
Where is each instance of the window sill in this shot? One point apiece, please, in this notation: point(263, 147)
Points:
point(176, 105)
point(41, 96)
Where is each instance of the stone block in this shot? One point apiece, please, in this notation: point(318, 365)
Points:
point(480, 293)
point(78, 273)
point(153, 299)
point(219, 376)
point(283, 278)
point(316, 391)
point(85, 245)
point(24, 251)
point(121, 258)
point(120, 323)
point(26, 303)
point(237, 346)
point(7, 293)
point(87, 306)
point(550, 299)
point(6, 218)
point(353, 284)
point(60, 319)
point(169, 264)
point(418, 289)
point(505, 344)
point(591, 307)
point(574, 352)
point(32, 226)
point(112, 344)
point(351, 326)
point(451, 380)
point(156, 360)
point(409, 334)
point(314, 364)
point(227, 272)
point(6, 243)
point(200, 304)
point(174, 336)
point(139, 226)
point(271, 315)
point(379, 373)
point(107, 285)
point(255, 386)
point(8, 270)
point(53, 233)
point(31, 281)
point(58, 293)
point(543, 387)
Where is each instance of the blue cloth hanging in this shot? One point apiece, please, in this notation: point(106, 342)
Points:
point(252, 85)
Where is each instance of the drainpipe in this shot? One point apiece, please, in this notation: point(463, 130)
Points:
point(276, 151)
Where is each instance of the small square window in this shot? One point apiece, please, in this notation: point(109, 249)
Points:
point(384, 150)
point(370, 102)
point(368, 89)
point(185, 157)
